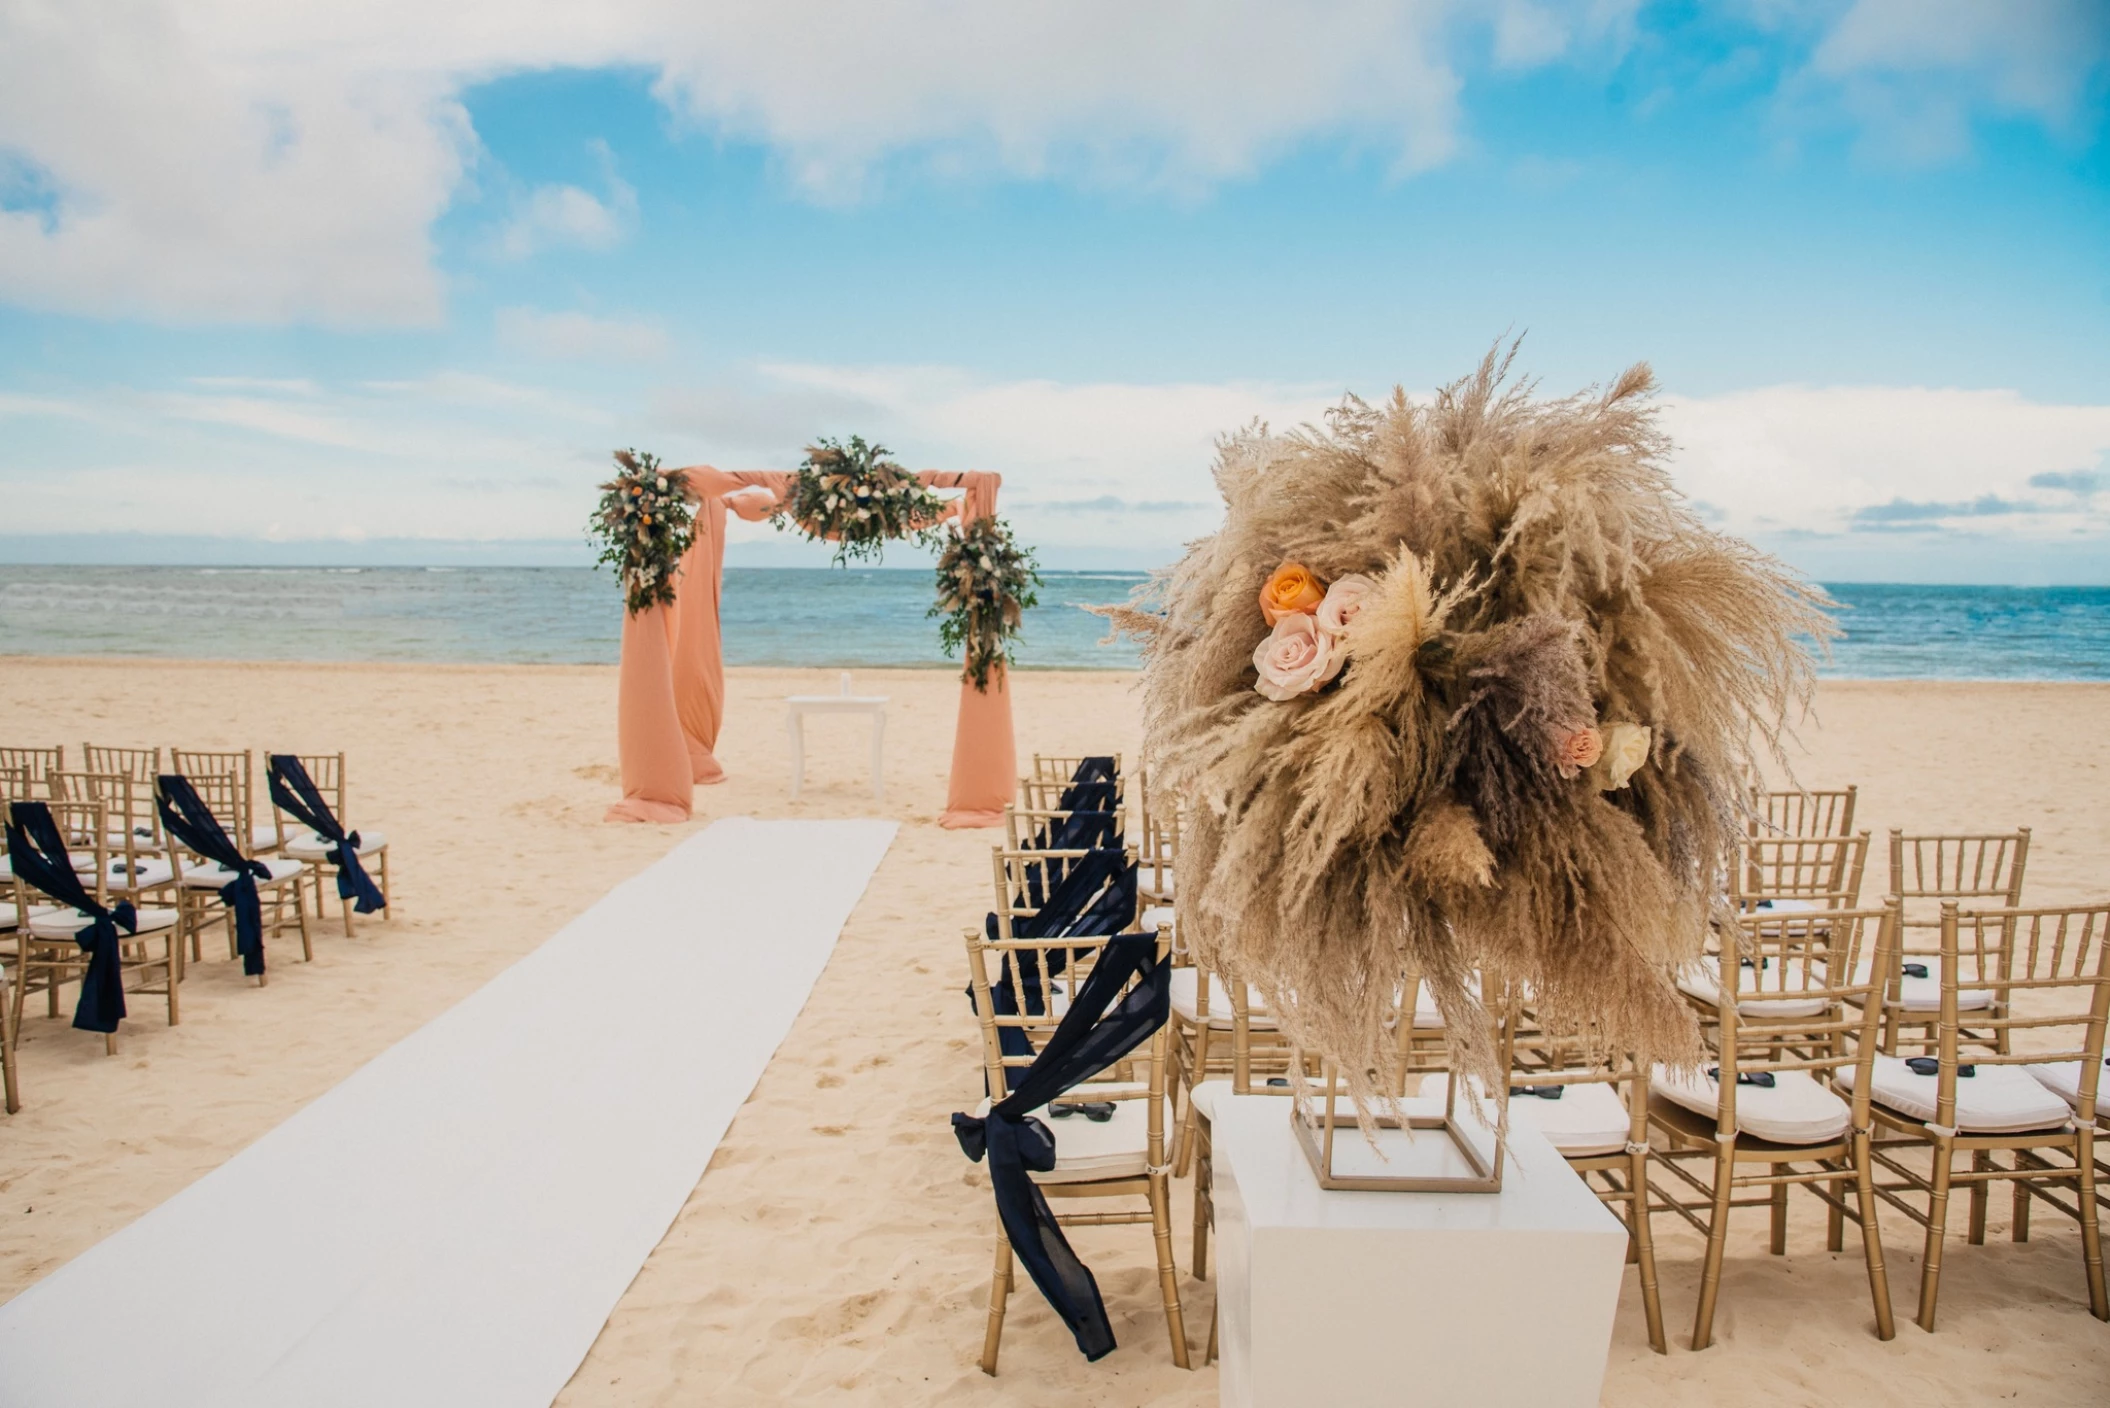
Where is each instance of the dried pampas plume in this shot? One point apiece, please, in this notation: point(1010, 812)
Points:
point(1535, 573)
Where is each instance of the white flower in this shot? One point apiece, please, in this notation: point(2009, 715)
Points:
point(1343, 599)
point(864, 513)
point(987, 565)
point(1296, 658)
point(663, 483)
point(1626, 748)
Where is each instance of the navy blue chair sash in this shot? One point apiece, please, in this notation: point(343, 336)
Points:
point(191, 823)
point(296, 793)
point(1103, 1025)
point(38, 853)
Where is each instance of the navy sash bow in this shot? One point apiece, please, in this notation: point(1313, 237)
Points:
point(1094, 897)
point(186, 818)
point(38, 854)
point(296, 792)
point(1089, 1038)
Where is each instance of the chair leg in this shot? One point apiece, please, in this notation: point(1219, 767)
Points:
point(1204, 1204)
point(171, 963)
point(1981, 1161)
point(2091, 1226)
point(1717, 1243)
point(2019, 1222)
point(1835, 1221)
point(999, 1291)
point(1168, 1271)
point(1779, 1244)
point(1872, 1238)
point(1183, 1148)
point(1644, 1244)
point(1937, 1230)
point(1215, 1317)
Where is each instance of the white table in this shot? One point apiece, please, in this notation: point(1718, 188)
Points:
point(1401, 1298)
point(800, 705)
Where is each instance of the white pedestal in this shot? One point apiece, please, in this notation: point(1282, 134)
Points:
point(1401, 1298)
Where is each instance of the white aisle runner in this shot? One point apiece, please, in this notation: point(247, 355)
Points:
point(453, 1223)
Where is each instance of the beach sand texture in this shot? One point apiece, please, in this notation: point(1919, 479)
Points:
point(838, 1249)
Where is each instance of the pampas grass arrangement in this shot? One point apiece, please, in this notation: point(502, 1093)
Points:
point(1499, 722)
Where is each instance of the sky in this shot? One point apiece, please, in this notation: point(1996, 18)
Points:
point(387, 282)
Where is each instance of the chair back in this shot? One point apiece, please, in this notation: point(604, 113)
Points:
point(1802, 992)
point(239, 768)
point(1803, 813)
point(82, 825)
point(326, 771)
point(2048, 973)
point(1040, 829)
point(1068, 892)
point(1160, 848)
point(1825, 871)
point(223, 795)
point(1539, 1058)
point(128, 811)
point(1012, 1039)
point(37, 763)
point(142, 765)
point(1054, 767)
point(15, 786)
point(1926, 870)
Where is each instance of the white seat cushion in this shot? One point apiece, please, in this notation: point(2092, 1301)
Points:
point(214, 876)
point(1924, 994)
point(1996, 1100)
point(65, 923)
point(83, 861)
point(1085, 1149)
point(150, 874)
point(2063, 1079)
point(1158, 884)
point(1703, 980)
point(1186, 994)
point(1210, 1093)
point(264, 834)
point(1153, 915)
point(306, 845)
point(10, 917)
point(1587, 1119)
point(1796, 1110)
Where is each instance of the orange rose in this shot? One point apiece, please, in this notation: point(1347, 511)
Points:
point(1290, 589)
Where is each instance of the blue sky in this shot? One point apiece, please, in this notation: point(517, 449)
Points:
point(383, 284)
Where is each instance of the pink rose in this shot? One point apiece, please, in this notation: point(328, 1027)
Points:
point(1579, 750)
point(1343, 599)
point(1296, 658)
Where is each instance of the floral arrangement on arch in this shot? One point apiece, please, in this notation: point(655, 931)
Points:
point(1459, 689)
point(986, 584)
point(855, 497)
point(644, 524)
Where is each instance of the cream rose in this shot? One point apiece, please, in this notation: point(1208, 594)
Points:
point(1343, 599)
point(1626, 748)
point(1296, 658)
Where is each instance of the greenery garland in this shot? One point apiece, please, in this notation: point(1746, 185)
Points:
point(855, 497)
point(986, 584)
point(644, 525)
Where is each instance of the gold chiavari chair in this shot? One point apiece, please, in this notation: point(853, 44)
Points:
point(199, 881)
point(255, 836)
point(1160, 849)
point(1592, 1106)
point(1031, 828)
point(1122, 1155)
point(2049, 973)
point(1925, 872)
point(1764, 1105)
point(327, 772)
point(35, 764)
point(48, 956)
point(1803, 813)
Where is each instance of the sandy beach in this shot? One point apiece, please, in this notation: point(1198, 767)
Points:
point(838, 1248)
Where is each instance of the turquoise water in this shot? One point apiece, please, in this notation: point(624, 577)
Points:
point(802, 616)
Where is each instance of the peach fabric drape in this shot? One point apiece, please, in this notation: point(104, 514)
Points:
point(670, 687)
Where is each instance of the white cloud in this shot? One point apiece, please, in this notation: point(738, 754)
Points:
point(1832, 459)
point(1914, 75)
point(250, 160)
point(1088, 467)
point(580, 336)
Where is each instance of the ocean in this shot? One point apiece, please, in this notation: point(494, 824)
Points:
point(823, 616)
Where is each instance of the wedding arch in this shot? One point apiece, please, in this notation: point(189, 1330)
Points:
point(664, 531)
